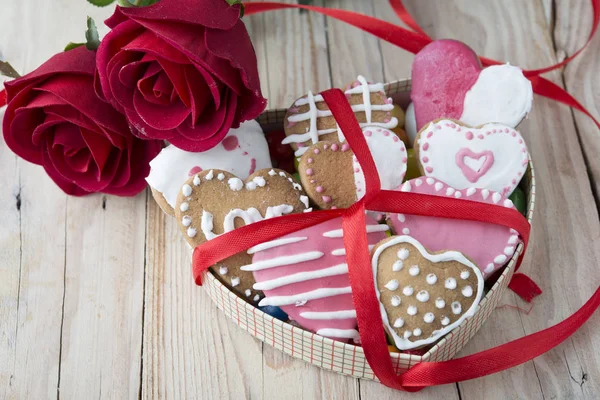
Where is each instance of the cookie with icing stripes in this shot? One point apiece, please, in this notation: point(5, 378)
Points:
point(493, 156)
point(423, 295)
point(214, 202)
point(333, 178)
point(309, 119)
point(490, 246)
point(305, 273)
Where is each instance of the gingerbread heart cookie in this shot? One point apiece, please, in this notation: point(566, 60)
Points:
point(309, 120)
point(213, 202)
point(242, 152)
point(490, 246)
point(423, 296)
point(449, 82)
point(333, 178)
point(493, 156)
point(305, 273)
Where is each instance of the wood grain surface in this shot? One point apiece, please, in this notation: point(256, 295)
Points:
point(96, 294)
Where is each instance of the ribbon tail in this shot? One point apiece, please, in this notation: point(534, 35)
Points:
point(524, 287)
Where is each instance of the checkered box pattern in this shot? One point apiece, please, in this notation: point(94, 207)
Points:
point(346, 358)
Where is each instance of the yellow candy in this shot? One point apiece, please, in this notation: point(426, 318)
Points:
point(412, 166)
point(398, 112)
point(393, 349)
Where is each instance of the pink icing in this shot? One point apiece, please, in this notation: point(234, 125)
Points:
point(472, 175)
point(326, 199)
point(315, 242)
point(252, 166)
point(334, 147)
point(469, 135)
point(442, 74)
point(479, 241)
point(194, 170)
point(319, 189)
point(309, 171)
point(230, 142)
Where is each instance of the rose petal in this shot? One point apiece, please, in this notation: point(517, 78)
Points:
point(100, 148)
point(149, 43)
point(215, 86)
point(161, 117)
point(176, 74)
point(199, 91)
point(66, 185)
point(142, 130)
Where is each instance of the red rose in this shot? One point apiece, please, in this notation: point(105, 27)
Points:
point(55, 119)
point(181, 70)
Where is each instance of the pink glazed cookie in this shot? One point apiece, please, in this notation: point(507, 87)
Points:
point(305, 273)
point(492, 157)
point(489, 246)
point(449, 82)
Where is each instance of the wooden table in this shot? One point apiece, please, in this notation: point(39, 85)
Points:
point(96, 294)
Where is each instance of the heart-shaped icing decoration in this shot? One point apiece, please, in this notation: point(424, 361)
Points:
point(490, 246)
point(242, 152)
point(305, 273)
point(422, 295)
point(492, 157)
point(332, 177)
point(309, 119)
point(213, 202)
point(449, 82)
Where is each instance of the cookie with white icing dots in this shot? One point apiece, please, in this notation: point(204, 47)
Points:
point(493, 156)
point(449, 82)
point(490, 246)
point(242, 152)
point(333, 178)
point(309, 119)
point(305, 273)
point(213, 202)
point(423, 295)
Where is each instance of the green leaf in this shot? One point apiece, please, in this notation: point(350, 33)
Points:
point(101, 3)
point(7, 70)
point(234, 2)
point(72, 46)
point(91, 35)
point(125, 3)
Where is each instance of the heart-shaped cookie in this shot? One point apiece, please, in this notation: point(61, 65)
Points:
point(490, 246)
point(333, 178)
point(492, 157)
point(213, 202)
point(242, 152)
point(309, 119)
point(305, 273)
point(423, 296)
point(449, 82)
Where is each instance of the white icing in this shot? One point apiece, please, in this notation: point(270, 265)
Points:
point(256, 298)
point(501, 259)
point(401, 217)
point(184, 206)
point(392, 285)
point(407, 334)
point(428, 318)
point(248, 292)
point(314, 113)
point(508, 203)
point(445, 320)
point(496, 197)
point(339, 333)
point(186, 190)
point(405, 187)
point(503, 156)
point(272, 173)
point(464, 274)
point(186, 220)
point(250, 186)
point(449, 191)
point(408, 290)
point(221, 176)
point(429, 181)
point(431, 279)
point(223, 270)
point(259, 180)
point(399, 341)
point(235, 281)
point(412, 310)
point(196, 180)
point(338, 233)
point(450, 283)
point(339, 269)
point(210, 175)
point(438, 186)
point(418, 182)
point(423, 296)
point(171, 167)
point(275, 243)
point(235, 184)
point(501, 94)
point(440, 303)
point(467, 291)
point(471, 191)
point(509, 250)
point(398, 323)
point(312, 295)
point(405, 231)
point(343, 314)
point(191, 232)
point(417, 332)
point(397, 265)
point(456, 307)
point(414, 270)
point(301, 303)
point(389, 155)
point(485, 193)
point(304, 200)
point(410, 123)
point(282, 260)
point(396, 301)
point(403, 253)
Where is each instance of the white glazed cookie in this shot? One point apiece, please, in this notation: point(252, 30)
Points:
point(309, 120)
point(423, 296)
point(242, 152)
point(493, 156)
point(213, 202)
